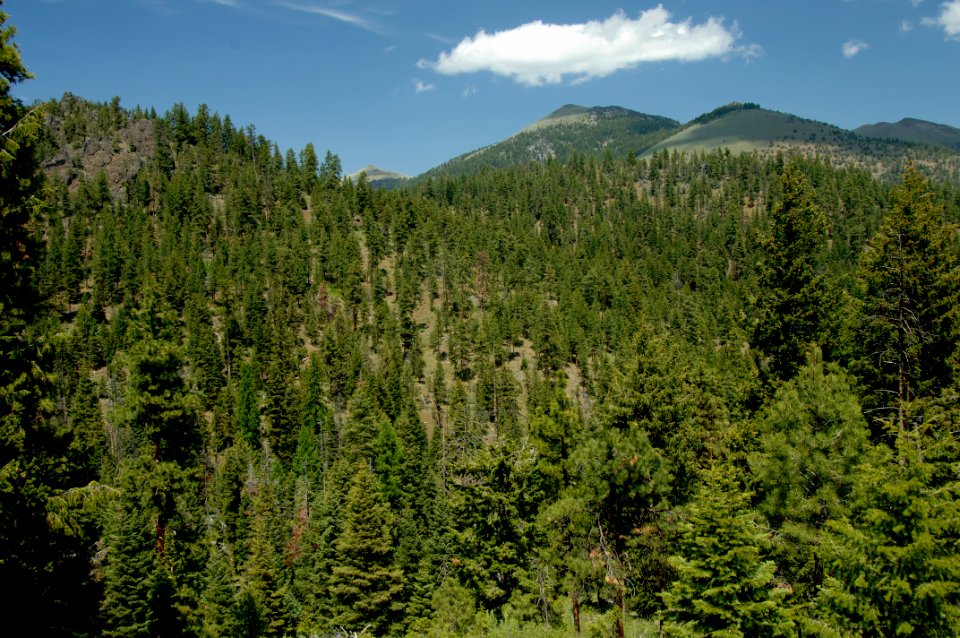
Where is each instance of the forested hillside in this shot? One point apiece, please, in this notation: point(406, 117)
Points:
point(568, 131)
point(697, 394)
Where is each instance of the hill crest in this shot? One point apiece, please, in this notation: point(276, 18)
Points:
point(911, 129)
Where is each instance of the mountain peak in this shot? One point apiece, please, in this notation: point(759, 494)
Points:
point(567, 109)
point(577, 112)
point(378, 176)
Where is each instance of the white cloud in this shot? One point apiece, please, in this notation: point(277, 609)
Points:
point(537, 53)
point(423, 87)
point(949, 19)
point(853, 47)
point(905, 26)
point(468, 90)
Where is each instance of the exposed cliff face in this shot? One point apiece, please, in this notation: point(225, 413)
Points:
point(86, 139)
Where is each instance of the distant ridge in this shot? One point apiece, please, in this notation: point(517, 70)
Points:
point(913, 130)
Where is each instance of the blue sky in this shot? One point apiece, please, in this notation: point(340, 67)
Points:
point(406, 85)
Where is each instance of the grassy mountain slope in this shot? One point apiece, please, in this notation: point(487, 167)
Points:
point(568, 130)
point(744, 128)
point(913, 130)
point(747, 128)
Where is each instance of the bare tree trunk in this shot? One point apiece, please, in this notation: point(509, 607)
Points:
point(575, 603)
point(618, 601)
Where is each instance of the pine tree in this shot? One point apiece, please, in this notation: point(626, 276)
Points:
point(791, 300)
point(164, 416)
point(219, 592)
point(131, 563)
point(262, 593)
point(388, 461)
point(907, 334)
point(365, 584)
point(36, 564)
point(145, 575)
point(812, 439)
point(724, 587)
point(248, 408)
point(363, 424)
point(894, 569)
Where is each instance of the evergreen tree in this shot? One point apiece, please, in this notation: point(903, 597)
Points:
point(260, 605)
point(219, 592)
point(365, 584)
point(812, 440)
point(723, 586)
point(248, 407)
point(909, 282)
point(489, 502)
point(363, 424)
point(791, 300)
point(38, 566)
point(129, 576)
point(164, 417)
point(894, 569)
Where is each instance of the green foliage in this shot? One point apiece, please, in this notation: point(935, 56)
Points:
point(723, 110)
point(43, 573)
point(364, 583)
point(792, 301)
point(812, 438)
point(724, 587)
point(895, 570)
point(248, 407)
point(909, 288)
point(163, 418)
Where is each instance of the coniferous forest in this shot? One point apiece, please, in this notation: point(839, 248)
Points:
point(681, 395)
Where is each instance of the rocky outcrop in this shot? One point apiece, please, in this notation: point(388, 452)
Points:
point(82, 150)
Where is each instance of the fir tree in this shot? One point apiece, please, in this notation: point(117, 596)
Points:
point(812, 440)
point(791, 299)
point(895, 570)
point(910, 290)
point(724, 587)
point(365, 584)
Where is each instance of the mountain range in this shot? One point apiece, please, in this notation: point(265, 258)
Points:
point(740, 127)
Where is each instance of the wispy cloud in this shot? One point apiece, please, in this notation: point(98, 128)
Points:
point(906, 26)
point(853, 47)
point(948, 20)
point(353, 19)
point(539, 53)
point(442, 39)
point(468, 90)
point(423, 87)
